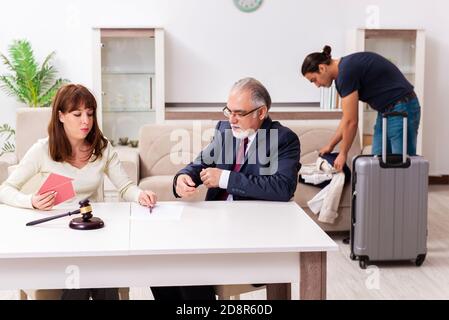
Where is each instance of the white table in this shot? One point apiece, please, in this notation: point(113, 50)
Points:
point(213, 243)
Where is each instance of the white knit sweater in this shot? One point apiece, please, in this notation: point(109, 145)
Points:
point(86, 181)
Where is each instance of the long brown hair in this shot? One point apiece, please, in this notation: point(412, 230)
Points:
point(69, 98)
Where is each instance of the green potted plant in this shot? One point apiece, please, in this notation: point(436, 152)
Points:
point(8, 146)
point(30, 83)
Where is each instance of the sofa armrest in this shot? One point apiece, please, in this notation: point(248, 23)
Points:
point(129, 158)
point(3, 171)
point(6, 161)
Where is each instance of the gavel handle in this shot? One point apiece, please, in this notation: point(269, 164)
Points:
point(32, 223)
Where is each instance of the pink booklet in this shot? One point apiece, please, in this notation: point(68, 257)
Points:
point(62, 185)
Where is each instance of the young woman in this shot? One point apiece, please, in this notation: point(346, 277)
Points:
point(75, 148)
point(371, 78)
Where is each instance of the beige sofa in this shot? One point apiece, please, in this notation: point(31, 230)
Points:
point(312, 138)
point(31, 125)
point(159, 145)
point(157, 159)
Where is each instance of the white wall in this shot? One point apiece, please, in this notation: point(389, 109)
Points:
point(210, 44)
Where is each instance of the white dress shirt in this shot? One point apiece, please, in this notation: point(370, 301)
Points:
point(224, 177)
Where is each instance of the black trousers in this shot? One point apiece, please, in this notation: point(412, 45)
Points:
point(184, 293)
point(95, 294)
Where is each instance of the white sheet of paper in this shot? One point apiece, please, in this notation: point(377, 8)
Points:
point(160, 212)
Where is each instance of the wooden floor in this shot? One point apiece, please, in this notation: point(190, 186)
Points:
point(387, 281)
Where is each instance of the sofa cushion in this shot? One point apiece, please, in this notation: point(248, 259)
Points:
point(129, 158)
point(162, 185)
point(167, 148)
point(342, 223)
point(315, 136)
point(31, 125)
point(160, 144)
point(306, 192)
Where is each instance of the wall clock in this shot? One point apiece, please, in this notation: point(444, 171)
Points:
point(248, 5)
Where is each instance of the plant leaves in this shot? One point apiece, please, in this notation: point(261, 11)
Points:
point(29, 83)
point(46, 98)
point(7, 145)
point(8, 86)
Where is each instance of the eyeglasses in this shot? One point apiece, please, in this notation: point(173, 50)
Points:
point(228, 113)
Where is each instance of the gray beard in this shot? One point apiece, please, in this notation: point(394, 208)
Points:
point(242, 134)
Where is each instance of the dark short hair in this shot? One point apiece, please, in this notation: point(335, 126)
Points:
point(312, 61)
point(67, 99)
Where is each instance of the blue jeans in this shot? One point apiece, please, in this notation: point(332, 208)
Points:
point(394, 129)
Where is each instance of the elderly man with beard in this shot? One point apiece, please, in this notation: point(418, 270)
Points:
point(250, 158)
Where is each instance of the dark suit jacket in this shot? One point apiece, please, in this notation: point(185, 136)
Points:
point(270, 170)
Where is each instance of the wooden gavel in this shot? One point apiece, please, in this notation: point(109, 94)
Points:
point(85, 209)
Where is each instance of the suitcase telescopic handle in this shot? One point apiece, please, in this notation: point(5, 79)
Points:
point(385, 116)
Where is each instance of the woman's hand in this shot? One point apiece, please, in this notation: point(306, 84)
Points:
point(147, 198)
point(44, 201)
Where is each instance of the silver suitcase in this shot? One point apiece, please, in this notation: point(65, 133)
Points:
point(389, 205)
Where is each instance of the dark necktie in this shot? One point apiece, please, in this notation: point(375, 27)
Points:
point(239, 160)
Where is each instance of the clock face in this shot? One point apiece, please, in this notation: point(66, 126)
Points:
point(248, 5)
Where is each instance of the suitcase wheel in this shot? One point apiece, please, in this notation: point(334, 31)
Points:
point(363, 262)
point(420, 259)
point(352, 256)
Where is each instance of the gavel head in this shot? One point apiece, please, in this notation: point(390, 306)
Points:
point(84, 202)
point(85, 209)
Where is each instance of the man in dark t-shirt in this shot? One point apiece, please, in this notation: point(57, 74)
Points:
point(371, 78)
point(377, 80)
